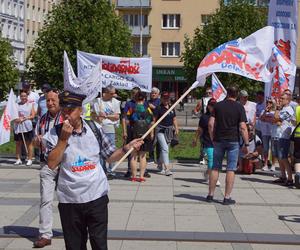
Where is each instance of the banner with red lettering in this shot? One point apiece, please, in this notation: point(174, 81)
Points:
point(10, 113)
point(247, 57)
point(121, 72)
point(283, 16)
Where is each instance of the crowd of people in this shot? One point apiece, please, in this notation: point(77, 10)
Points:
point(77, 145)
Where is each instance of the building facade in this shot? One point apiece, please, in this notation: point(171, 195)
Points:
point(12, 26)
point(158, 29)
point(35, 13)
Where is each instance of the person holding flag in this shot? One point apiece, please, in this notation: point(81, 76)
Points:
point(23, 128)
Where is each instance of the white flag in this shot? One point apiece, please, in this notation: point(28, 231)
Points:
point(246, 57)
point(10, 113)
point(90, 85)
point(218, 90)
point(121, 72)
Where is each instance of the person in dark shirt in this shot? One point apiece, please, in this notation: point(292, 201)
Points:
point(224, 126)
point(165, 132)
point(202, 133)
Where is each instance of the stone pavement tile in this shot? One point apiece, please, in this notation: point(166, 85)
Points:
point(284, 196)
point(290, 216)
point(274, 247)
point(190, 179)
point(56, 221)
point(122, 194)
point(22, 195)
point(258, 219)
point(261, 181)
point(23, 244)
point(149, 216)
point(148, 245)
point(23, 174)
point(194, 209)
point(203, 245)
point(8, 214)
point(155, 193)
point(118, 214)
point(242, 195)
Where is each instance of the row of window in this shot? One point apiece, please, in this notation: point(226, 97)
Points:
point(12, 31)
point(168, 49)
point(19, 56)
point(12, 8)
point(169, 21)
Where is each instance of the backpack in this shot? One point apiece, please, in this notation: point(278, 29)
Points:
point(96, 132)
point(140, 125)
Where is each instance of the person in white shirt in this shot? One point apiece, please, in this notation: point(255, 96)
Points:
point(82, 186)
point(108, 113)
point(33, 97)
point(250, 107)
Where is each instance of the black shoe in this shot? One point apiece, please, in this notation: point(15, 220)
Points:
point(269, 164)
point(110, 176)
point(297, 180)
point(127, 174)
point(289, 183)
point(228, 201)
point(209, 198)
point(147, 175)
point(280, 180)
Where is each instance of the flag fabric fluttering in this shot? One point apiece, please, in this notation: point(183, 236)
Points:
point(90, 85)
point(218, 91)
point(10, 113)
point(247, 57)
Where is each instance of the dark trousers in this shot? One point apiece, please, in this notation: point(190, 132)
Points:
point(79, 220)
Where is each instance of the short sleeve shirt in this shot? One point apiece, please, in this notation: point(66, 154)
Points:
point(168, 120)
point(81, 177)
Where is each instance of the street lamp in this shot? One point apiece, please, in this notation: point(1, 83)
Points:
point(141, 30)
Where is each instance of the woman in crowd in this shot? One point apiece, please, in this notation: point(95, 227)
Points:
point(165, 132)
point(207, 144)
point(23, 129)
point(266, 119)
point(140, 118)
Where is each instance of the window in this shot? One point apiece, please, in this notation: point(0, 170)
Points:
point(136, 48)
point(2, 6)
point(205, 19)
point(171, 49)
point(134, 20)
point(15, 34)
point(21, 12)
point(171, 21)
point(21, 34)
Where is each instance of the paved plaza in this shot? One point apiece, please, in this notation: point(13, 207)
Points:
point(164, 213)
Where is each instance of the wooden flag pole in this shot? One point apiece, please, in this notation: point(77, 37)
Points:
point(154, 125)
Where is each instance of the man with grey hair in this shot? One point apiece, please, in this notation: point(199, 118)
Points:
point(108, 112)
point(153, 103)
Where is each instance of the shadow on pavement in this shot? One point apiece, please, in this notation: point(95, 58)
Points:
point(197, 198)
point(200, 181)
point(29, 233)
point(253, 179)
point(290, 218)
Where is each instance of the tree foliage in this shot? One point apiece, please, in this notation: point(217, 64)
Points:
point(87, 25)
point(239, 18)
point(8, 72)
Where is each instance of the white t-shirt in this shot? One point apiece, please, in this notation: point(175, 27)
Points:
point(24, 110)
point(266, 127)
point(250, 109)
point(33, 97)
point(81, 177)
point(287, 116)
point(108, 107)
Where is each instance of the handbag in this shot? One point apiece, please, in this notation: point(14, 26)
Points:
point(174, 141)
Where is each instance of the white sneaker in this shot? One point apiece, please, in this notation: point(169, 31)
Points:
point(265, 168)
point(18, 162)
point(273, 169)
point(202, 162)
point(163, 172)
point(168, 172)
point(218, 184)
point(29, 163)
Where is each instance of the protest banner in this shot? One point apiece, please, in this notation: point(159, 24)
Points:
point(283, 16)
point(89, 85)
point(10, 113)
point(218, 91)
point(122, 73)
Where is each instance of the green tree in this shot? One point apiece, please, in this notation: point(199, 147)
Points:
point(238, 18)
point(87, 25)
point(8, 72)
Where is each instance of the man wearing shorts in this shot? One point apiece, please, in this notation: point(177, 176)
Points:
point(225, 126)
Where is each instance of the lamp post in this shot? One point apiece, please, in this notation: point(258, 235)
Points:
point(141, 30)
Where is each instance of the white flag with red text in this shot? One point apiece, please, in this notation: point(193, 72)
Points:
point(218, 91)
point(247, 57)
point(10, 113)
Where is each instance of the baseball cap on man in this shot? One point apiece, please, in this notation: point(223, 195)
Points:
point(70, 100)
point(244, 93)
